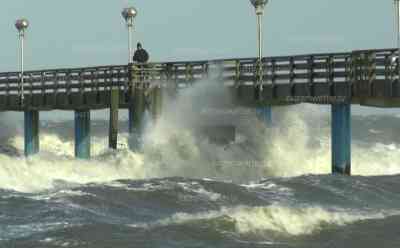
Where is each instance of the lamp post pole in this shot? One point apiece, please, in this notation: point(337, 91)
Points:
point(259, 6)
point(129, 15)
point(397, 25)
point(137, 104)
point(22, 25)
point(264, 112)
point(259, 33)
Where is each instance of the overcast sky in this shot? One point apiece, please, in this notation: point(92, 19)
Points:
point(92, 32)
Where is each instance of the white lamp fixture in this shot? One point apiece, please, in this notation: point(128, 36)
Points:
point(129, 15)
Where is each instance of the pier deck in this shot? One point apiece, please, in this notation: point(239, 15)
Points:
point(368, 77)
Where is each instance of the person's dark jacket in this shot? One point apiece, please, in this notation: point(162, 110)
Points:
point(141, 56)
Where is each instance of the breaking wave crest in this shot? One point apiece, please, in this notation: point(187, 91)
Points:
point(262, 220)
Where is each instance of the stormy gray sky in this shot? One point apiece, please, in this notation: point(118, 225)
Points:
point(91, 32)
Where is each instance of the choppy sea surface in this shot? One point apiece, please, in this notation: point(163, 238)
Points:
point(269, 188)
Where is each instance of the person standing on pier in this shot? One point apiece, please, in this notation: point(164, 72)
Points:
point(141, 55)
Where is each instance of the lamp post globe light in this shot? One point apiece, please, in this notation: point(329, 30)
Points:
point(259, 6)
point(129, 15)
point(22, 25)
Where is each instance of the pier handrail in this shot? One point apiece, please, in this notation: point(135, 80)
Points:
point(304, 68)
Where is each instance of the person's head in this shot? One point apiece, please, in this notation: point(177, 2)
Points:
point(139, 45)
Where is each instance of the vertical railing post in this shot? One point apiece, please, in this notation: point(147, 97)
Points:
point(170, 85)
point(291, 75)
point(131, 91)
point(68, 86)
point(237, 73)
point(206, 71)
point(349, 70)
point(56, 86)
point(8, 89)
point(310, 87)
point(371, 70)
point(189, 74)
point(391, 71)
point(291, 70)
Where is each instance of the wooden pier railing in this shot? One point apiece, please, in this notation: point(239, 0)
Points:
point(366, 77)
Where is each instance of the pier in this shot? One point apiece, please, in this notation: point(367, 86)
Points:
point(367, 78)
point(362, 77)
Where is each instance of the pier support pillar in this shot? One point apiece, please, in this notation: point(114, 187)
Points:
point(341, 138)
point(156, 103)
point(82, 134)
point(265, 115)
point(113, 124)
point(131, 115)
point(31, 132)
point(136, 114)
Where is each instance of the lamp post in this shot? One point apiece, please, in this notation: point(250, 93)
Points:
point(259, 6)
point(265, 113)
point(129, 14)
point(22, 25)
point(397, 25)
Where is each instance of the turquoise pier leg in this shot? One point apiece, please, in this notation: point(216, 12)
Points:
point(265, 115)
point(341, 139)
point(82, 134)
point(31, 133)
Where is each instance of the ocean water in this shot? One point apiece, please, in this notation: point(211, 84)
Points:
point(269, 188)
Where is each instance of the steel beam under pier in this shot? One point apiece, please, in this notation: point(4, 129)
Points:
point(341, 139)
point(82, 134)
point(31, 132)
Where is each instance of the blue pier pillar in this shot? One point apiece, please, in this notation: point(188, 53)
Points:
point(31, 132)
point(82, 134)
point(341, 139)
point(265, 115)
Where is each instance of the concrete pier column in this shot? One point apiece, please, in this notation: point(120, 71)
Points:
point(82, 134)
point(265, 115)
point(341, 138)
point(113, 124)
point(31, 132)
point(136, 114)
